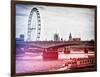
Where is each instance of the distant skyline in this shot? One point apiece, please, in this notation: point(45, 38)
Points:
point(61, 20)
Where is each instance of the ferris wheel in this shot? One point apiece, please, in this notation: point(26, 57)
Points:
point(34, 25)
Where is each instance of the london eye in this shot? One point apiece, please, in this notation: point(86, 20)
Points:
point(34, 25)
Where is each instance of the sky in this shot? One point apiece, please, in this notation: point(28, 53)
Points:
point(55, 19)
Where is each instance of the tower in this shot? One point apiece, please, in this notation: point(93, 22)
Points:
point(22, 37)
point(70, 37)
point(56, 37)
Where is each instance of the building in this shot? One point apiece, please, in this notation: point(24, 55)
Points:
point(56, 37)
point(21, 38)
point(73, 39)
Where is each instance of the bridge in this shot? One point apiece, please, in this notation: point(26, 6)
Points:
point(55, 44)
